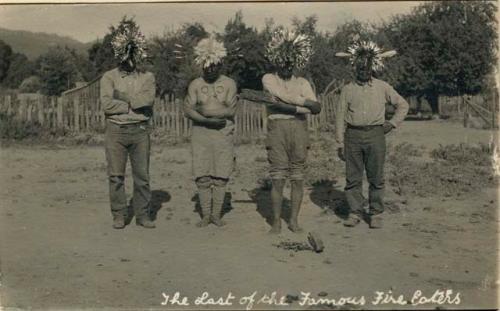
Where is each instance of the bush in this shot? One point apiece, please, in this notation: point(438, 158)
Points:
point(12, 128)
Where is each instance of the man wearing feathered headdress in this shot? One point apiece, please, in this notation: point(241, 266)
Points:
point(211, 104)
point(361, 129)
point(288, 138)
point(127, 96)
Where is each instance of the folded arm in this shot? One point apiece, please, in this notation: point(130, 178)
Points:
point(191, 113)
point(111, 105)
point(270, 84)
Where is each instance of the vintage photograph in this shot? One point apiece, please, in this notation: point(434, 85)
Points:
point(249, 155)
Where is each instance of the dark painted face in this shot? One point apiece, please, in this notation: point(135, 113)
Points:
point(129, 62)
point(212, 73)
point(363, 68)
point(285, 72)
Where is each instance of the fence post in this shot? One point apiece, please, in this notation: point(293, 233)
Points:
point(8, 103)
point(494, 104)
point(264, 120)
point(76, 124)
point(39, 107)
point(60, 119)
point(466, 112)
point(53, 113)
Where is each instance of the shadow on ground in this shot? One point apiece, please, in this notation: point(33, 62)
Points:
point(158, 197)
point(261, 196)
point(331, 200)
point(226, 206)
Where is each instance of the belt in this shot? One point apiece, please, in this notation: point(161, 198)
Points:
point(129, 125)
point(363, 127)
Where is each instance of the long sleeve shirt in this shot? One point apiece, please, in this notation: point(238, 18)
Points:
point(216, 99)
point(127, 97)
point(294, 91)
point(364, 104)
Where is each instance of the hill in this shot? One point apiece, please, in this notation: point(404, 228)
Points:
point(33, 44)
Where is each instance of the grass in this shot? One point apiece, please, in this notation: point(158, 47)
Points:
point(452, 170)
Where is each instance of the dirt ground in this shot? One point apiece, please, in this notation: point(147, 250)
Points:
point(59, 251)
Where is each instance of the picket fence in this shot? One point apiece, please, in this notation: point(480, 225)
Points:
point(79, 110)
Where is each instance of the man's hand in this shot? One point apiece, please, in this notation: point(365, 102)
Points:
point(282, 107)
point(215, 123)
point(340, 153)
point(388, 127)
point(303, 110)
point(121, 96)
point(313, 106)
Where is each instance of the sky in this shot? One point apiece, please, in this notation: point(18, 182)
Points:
point(88, 22)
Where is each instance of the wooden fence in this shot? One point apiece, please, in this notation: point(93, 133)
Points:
point(79, 110)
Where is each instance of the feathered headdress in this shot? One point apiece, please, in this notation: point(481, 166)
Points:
point(208, 52)
point(289, 47)
point(129, 33)
point(369, 50)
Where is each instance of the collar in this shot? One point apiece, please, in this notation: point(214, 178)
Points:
point(369, 82)
point(124, 73)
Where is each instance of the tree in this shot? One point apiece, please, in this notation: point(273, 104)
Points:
point(20, 68)
point(101, 55)
point(245, 62)
point(31, 84)
point(59, 68)
point(444, 47)
point(5, 59)
point(325, 70)
point(173, 57)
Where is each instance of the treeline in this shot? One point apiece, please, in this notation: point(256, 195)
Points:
point(444, 48)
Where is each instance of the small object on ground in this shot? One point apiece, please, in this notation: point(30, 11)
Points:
point(124, 260)
point(323, 294)
point(413, 274)
point(293, 246)
point(315, 241)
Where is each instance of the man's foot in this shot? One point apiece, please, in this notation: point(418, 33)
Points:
point(119, 223)
point(205, 221)
point(145, 222)
point(376, 222)
point(275, 228)
point(352, 221)
point(295, 228)
point(217, 221)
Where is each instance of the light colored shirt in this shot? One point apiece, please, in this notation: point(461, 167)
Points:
point(294, 91)
point(216, 99)
point(137, 91)
point(364, 104)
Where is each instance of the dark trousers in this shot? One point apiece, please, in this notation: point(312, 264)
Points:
point(122, 142)
point(364, 149)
